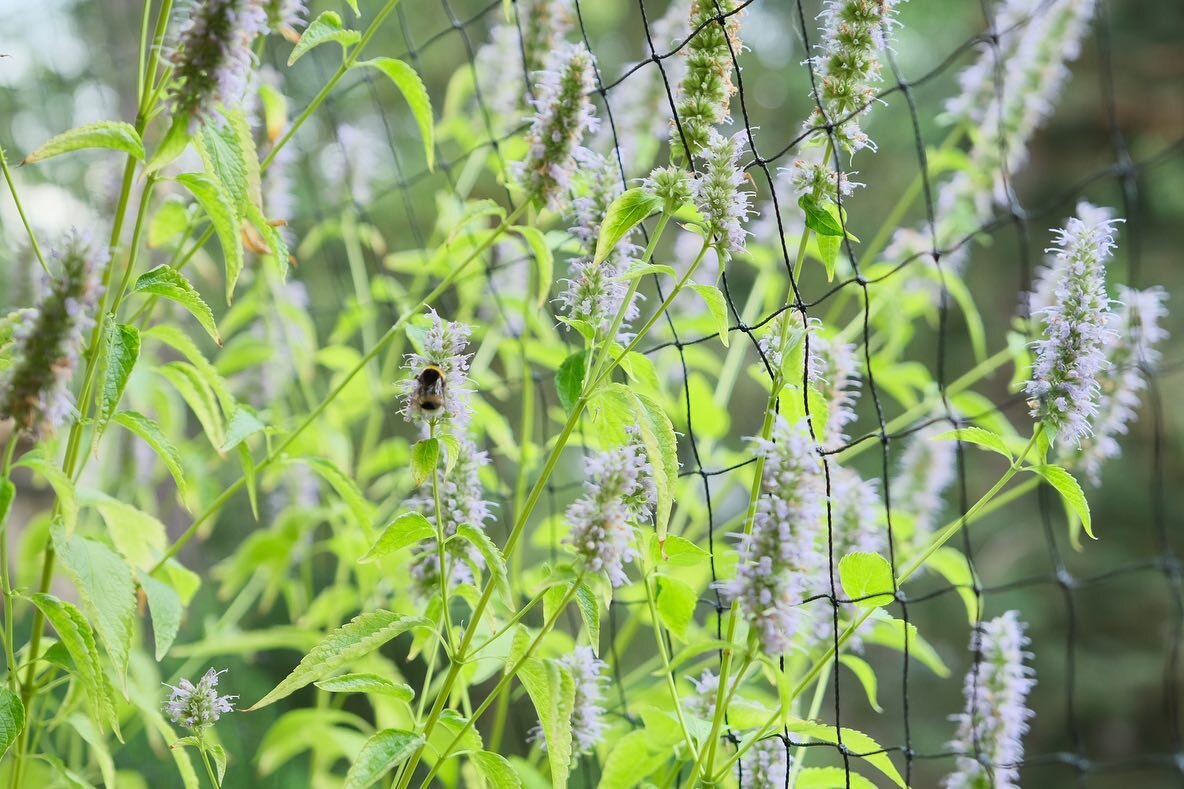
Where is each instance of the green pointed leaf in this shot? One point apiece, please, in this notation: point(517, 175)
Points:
point(624, 214)
point(167, 282)
point(717, 307)
point(12, 719)
point(176, 139)
point(979, 437)
point(662, 448)
point(828, 252)
point(856, 741)
point(864, 576)
point(108, 592)
point(1070, 490)
point(818, 218)
point(152, 435)
point(122, 350)
point(325, 28)
point(953, 566)
point(425, 456)
point(346, 488)
point(414, 93)
point(196, 392)
point(218, 754)
point(114, 135)
point(221, 212)
point(680, 552)
point(494, 561)
point(74, 632)
point(138, 536)
point(354, 640)
point(62, 486)
point(633, 758)
point(552, 692)
point(676, 604)
point(497, 770)
point(890, 633)
point(244, 423)
point(407, 529)
point(569, 379)
point(168, 223)
point(866, 676)
point(831, 778)
point(589, 605)
point(642, 269)
point(382, 753)
point(543, 259)
point(371, 684)
point(183, 343)
point(228, 151)
point(166, 610)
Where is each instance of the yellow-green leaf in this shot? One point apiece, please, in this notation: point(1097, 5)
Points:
point(114, 135)
point(414, 93)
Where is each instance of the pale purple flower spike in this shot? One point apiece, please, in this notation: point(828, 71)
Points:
point(1063, 390)
point(992, 727)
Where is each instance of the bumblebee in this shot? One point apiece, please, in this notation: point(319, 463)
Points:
point(428, 396)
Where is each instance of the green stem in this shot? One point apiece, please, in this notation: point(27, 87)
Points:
point(799, 757)
point(205, 758)
point(16, 199)
point(501, 685)
point(656, 622)
point(750, 516)
point(442, 572)
point(9, 630)
point(323, 94)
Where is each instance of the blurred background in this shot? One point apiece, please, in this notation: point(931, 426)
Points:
point(1105, 621)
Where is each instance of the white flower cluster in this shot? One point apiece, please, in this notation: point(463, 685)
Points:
point(198, 706)
point(992, 727)
point(1072, 353)
point(1136, 323)
point(619, 492)
point(718, 193)
point(779, 555)
point(563, 116)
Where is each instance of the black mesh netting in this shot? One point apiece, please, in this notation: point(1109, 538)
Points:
point(1105, 621)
